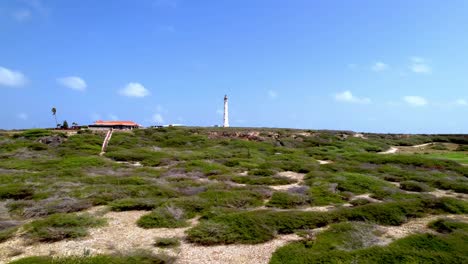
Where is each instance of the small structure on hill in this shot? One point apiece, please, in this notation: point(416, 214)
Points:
point(121, 125)
point(226, 112)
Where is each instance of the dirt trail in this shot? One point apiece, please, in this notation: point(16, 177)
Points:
point(392, 150)
point(422, 145)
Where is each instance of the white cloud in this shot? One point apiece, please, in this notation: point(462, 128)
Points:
point(348, 97)
point(73, 82)
point(22, 15)
point(379, 66)
point(11, 78)
point(414, 100)
point(134, 90)
point(23, 116)
point(461, 102)
point(420, 65)
point(157, 118)
point(272, 94)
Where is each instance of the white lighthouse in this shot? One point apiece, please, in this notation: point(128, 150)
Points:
point(226, 114)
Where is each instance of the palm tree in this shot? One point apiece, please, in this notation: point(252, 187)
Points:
point(54, 113)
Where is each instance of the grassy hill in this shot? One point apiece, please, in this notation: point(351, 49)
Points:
point(239, 186)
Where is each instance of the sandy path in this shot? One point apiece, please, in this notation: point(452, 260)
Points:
point(391, 150)
point(422, 145)
point(323, 162)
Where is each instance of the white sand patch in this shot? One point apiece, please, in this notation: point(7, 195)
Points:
point(232, 254)
point(414, 226)
point(299, 177)
point(391, 150)
point(133, 164)
point(367, 197)
point(323, 162)
point(449, 193)
point(359, 135)
point(397, 184)
point(422, 145)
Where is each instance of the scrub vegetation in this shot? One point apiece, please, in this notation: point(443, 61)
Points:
point(243, 186)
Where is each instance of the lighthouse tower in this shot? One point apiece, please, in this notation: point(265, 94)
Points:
point(226, 114)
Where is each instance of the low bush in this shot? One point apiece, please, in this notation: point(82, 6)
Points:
point(16, 191)
point(462, 148)
point(262, 180)
point(242, 228)
point(414, 186)
point(287, 200)
point(446, 225)
point(7, 233)
point(423, 248)
point(166, 242)
point(168, 217)
point(359, 202)
point(262, 172)
point(33, 133)
point(129, 204)
point(61, 226)
point(259, 226)
point(232, 198)
point(55, 205)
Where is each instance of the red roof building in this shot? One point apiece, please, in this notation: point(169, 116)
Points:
point(114, 125)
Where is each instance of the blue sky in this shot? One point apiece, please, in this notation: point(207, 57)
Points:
point(363, 65)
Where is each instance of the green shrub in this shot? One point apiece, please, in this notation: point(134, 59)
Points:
point(447, 225)
point(462, 148)
point(169, 217)
point(359, 202)
point(232, 198)
point(16, 191)
point(129, 204)
point(33, 133)
point(424, 248)
point(439, 146)
point(7, 233)
point(61, 226)
point(232, 228)
point(414, 186)
point(166, 242)
point(287, 200)
point(262, 172)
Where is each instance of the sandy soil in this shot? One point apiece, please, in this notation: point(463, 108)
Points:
point(323, 162)
point(299, 177)
point(414, 226)
point(122, 234)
